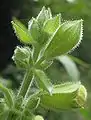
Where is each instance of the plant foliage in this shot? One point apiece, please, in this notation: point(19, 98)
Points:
point(47, 38)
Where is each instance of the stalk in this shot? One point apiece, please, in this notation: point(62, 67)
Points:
point(26, 83)
point(26, 95)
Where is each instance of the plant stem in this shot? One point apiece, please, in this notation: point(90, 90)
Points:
point(26, 83)
point(26, 95)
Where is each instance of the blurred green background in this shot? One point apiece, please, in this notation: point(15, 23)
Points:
point(70, 10)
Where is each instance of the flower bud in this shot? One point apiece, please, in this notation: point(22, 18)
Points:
point(81, 96)
point(38, 117)
point(21, 56)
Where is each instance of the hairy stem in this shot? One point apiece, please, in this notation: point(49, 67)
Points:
point(26, 83)
point(26, 95)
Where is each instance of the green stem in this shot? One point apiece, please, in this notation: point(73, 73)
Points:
point(26, 83)
point(26, 95)
point(36, 51)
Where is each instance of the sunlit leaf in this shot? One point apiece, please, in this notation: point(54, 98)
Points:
point(43, 15)
point(63, 97)
point(52, 24)
point(22, 32)
point(67, 37)
point(34, 29)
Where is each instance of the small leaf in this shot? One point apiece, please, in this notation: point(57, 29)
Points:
point(22, 32)
point(43, 81)
point(35, 26)
point(68, 36)
point(43, 15)
point(34, 29)
point(70, 67)
point(52, 24)
point(37, 32)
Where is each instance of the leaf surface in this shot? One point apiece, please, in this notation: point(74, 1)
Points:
point(52, 24)
point(62, 98)
point(44, 15)
point(22, 32)
point(68, 36)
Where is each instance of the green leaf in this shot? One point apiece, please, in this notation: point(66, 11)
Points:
point(35, 26)
point(67, 87)
point(65, 96)
point(44, 15)
point(52, 24)
point(34, 29)
point(70, 67)
point(67, 37)
point(22, 32)
point(43, 81)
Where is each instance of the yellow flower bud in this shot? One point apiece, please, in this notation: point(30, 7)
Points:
point(81, 96)
point(38, 117)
